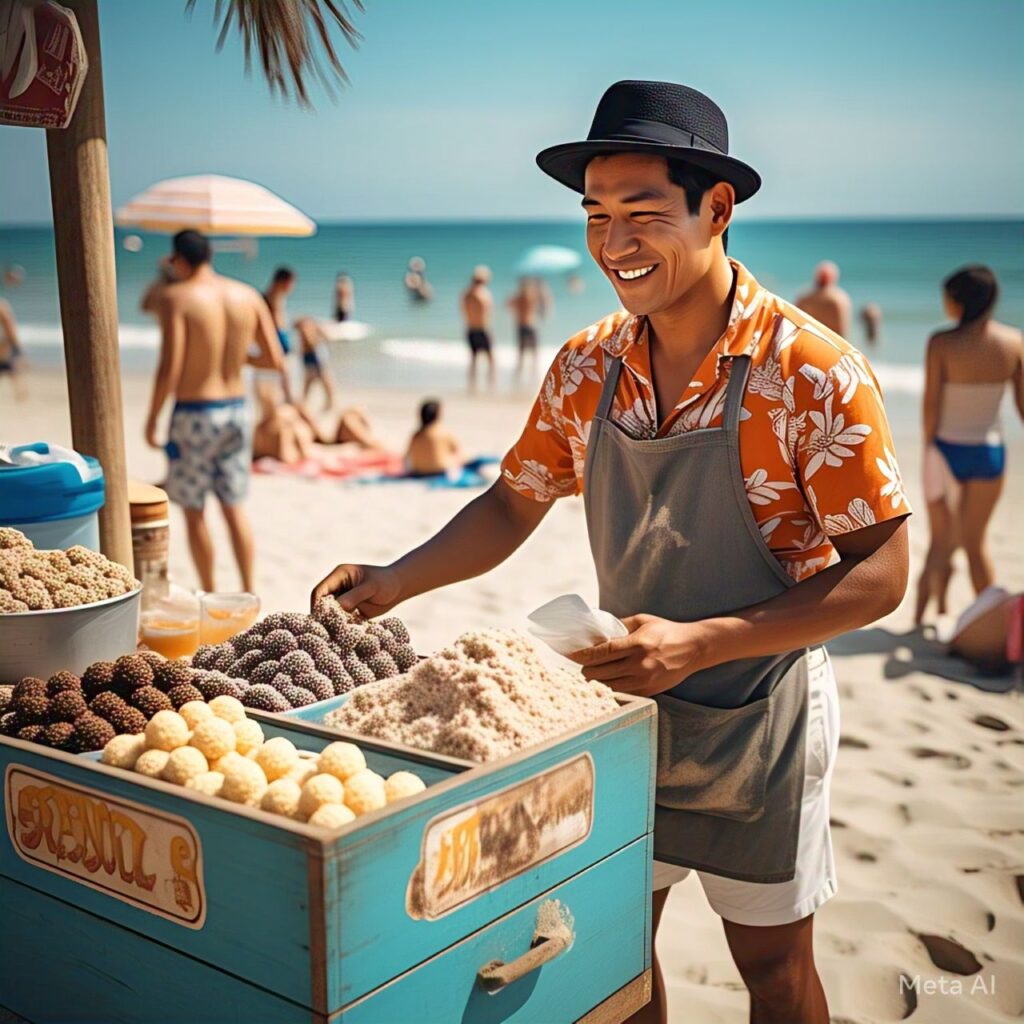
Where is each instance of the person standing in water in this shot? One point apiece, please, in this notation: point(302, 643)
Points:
point(416, 284)
point(344, 298)
point(871, 318)
point(276, 297)
point(967, 370)
point(477, 306)
point(530, 303)
point(11, 355)
point(316, 365)
point(826, 301)
point(744, 506)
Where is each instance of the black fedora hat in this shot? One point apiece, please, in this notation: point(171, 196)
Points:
point(654, 117)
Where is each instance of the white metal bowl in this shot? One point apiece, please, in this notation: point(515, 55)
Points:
point(43, 642)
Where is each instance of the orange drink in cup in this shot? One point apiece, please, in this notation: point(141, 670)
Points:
point(169, 624)
point(222, 616)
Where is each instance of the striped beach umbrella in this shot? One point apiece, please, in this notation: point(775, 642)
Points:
point(215, 205)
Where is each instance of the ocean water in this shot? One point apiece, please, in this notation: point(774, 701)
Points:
point(898, 265)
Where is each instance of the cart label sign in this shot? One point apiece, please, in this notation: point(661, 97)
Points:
point(134, 853)
point(477, 847)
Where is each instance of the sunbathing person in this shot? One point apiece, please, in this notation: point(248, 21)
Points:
point(433, 448)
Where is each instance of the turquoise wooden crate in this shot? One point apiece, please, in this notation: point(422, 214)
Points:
point(324, 919)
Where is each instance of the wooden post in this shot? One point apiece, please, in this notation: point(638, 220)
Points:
point(83, 231)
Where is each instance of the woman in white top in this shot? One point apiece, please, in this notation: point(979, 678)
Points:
point(967, 370)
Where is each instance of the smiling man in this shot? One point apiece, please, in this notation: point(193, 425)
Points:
point(744, 506)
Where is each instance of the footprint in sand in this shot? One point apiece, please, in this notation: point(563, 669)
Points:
point(896, 780)
point(948, 955)
point(853, 743)
point(1019, 879)
point(836, 823)
point(949, 759)
point(991, 722)
point(868, 858)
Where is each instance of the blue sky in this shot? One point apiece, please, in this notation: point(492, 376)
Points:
point(848, 108)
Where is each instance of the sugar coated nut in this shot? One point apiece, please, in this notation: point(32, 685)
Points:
point(248, 735)
point(229, 708)
point(341, 760)
point(331, 816)
point(195, 711)
point(244, 782)
point(282, 797)
point(277, 757)
point(167, 730)
point(123, 751)
point(402, 784)
point(364, 792)
point(214, 738)
point(209, 783)
point(152, 762)
point(183, 764)
point(320, 789)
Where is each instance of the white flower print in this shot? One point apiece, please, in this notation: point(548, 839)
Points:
point(830, 440)
point(849, 373)
point(785, 334)
point(768, 527)
point(893, 488)
point(638, 421)
point(536, 478)
point(579, 437)
point(800, 569)
point(762, 491)
point(857, 515)
point(766, 380)
point(787, 430)
point(576, 367)
point(823, 387)
point(812, 537)
point(704, 413)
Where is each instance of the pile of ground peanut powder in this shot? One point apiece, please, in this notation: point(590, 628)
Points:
point(484, 697)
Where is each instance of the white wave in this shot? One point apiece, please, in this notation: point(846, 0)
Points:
point(900, 378)
point(445, 352)
point(133, 336)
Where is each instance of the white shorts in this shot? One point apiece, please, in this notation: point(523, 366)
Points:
point(761, 904)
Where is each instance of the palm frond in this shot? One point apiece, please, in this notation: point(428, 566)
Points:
point(291, 37)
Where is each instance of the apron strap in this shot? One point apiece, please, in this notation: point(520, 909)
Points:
point(739, 370)
point(612, 370)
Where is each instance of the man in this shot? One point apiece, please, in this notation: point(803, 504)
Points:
point(11, 355)
point(415, 280)
point(344, 298)
point(743, 505)
point(433, 448)
point(276, 296)
point(207, 324)
point(316, 360)
point(826, 301)
point(477, 305)
point(531, 301)
point(871, 318)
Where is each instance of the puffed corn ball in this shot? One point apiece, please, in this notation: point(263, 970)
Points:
point(282, 797)
point(152, 763)
point(305, 769)
point(364, 792)
point(195, 711)
point(320, 789)
point(123, 751)
point(221, 764)
point(331, 816)
point(167, 730)
point(213, 738)
point(244, 782)
point(227, 707)
point(402, 784)
point(209, 783)
point(277, 757)
point(183, 764)
point(341, 760)
point(248, 735)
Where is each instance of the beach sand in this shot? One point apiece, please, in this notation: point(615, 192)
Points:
point(929, 787)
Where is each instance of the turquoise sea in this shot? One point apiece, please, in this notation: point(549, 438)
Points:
point(898, 265)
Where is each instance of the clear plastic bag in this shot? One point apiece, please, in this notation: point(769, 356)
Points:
point(568, 624)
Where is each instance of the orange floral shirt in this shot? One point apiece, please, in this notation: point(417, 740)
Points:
point(815, 446)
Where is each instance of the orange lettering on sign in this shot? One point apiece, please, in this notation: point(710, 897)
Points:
point(460, 852)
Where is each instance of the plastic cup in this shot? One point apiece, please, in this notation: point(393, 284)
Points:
point(223, 616)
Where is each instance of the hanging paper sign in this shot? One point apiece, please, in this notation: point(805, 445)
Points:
point(42, 64)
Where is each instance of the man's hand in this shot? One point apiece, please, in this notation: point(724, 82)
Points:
point(372, 589)
point(655, 656)
point(151, 438)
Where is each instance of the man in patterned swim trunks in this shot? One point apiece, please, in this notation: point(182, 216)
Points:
point(208, 323)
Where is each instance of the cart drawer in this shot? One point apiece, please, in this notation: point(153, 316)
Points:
point(609, 905)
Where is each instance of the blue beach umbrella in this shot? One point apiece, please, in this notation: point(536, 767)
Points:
point(547, 259)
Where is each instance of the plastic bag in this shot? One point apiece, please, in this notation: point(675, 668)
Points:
point(568, 624)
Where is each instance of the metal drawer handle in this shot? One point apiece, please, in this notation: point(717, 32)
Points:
point(495, 975)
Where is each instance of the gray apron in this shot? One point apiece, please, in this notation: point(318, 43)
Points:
point(673, 535)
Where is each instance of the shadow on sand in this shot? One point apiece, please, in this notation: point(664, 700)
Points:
point(917, 651)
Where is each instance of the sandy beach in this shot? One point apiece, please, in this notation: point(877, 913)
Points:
point(927, 817)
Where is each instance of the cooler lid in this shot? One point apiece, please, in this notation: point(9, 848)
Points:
point(41, 482)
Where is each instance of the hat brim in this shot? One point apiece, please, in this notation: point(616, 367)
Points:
point(567, 163)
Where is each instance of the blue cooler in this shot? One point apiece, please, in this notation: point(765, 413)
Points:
point(52, 495)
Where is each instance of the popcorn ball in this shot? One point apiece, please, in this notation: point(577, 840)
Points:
point(305, 769)
point(244, 782)
point(277, 757)
point(248, 735)
point(402, 784)
point(364, 792)
point(152, 762)
point(183, 764)
point(221, 764)
point(167, 730)
point(341, 760)
point(195, 711)
point(282, 797)
point(209, 783)
point(331, 816)
point(230, 709)
point(123, 751)
point(214, 738)
point(320, 789)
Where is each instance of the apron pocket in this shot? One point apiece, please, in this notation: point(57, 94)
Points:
point(713, 760)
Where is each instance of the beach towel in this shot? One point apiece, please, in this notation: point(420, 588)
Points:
point(335, 466)
point(468, 475)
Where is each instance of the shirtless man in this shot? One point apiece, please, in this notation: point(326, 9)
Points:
point(10, 350)
point(477, 305)
point(207, 324)
point(433, 449)
point(531, 301)
point(315, 360)
point(826, 301)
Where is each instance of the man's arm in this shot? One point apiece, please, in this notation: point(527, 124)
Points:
point(8, 327)
point(270, 355)
point(866, 584)
point(1018, 378)
point(481, 536)
point(168, 373)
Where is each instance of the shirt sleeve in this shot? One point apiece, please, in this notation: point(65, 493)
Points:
point(540, 464)
point(845, 456)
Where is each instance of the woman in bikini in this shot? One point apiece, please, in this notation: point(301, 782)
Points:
point(967, 370)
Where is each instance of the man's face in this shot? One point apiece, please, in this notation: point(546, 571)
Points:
point(638, 220)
